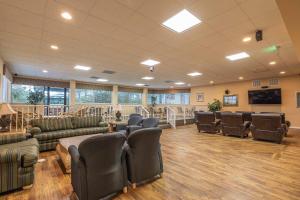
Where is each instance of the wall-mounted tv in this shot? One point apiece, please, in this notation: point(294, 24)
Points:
point(268, 96)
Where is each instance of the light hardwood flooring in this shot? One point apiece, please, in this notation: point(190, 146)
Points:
point(197, 166)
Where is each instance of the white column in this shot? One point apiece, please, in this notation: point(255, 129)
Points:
point(72, 92)
point(114, 95)
point(145, 96)
point(1, 80)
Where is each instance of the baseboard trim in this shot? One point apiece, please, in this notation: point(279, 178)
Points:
point(295, 127)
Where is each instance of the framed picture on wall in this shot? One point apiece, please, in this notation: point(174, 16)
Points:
point(230, 100)
point(200, 97)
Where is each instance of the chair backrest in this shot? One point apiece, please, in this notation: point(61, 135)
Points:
point(150, 122)
point(134, 115)
point(205, 117)
point(135, 120)
point(246, 115)
point(232, 119)
point(268, 122)
point(102, 158)
point(145, 146)
point(282, 115)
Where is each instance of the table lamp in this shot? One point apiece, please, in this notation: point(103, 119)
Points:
point(5, 112)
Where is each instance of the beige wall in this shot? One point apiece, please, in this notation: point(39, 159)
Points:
point(289, 85)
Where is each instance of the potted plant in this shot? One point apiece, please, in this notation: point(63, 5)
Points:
point(216, 105)
point(35, 98)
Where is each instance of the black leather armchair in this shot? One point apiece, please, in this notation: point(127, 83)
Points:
point(143, 153)
point(146, 123)
point(267, 127)
point(99, 167)
point(206, 122)
point(234, 124)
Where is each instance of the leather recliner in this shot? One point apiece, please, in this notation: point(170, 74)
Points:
point(206, 122)
point(234, 124)
point(267, 127)
point(143, 155)
point(99, 167)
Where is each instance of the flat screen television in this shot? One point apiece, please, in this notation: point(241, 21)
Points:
point(268, 96)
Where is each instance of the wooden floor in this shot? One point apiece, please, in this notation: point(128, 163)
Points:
point(198, 166)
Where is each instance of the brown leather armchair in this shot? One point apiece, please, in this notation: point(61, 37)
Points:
point(206, 122)
point(234, 124)
point(99, 167)
point(267, 127)
point(143, 155)
point(246, 115)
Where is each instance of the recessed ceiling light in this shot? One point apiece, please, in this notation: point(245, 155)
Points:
point(102, 80)
point(189, 84)
point(45, 71)
point(182, 21)
point(241, 78)
point(81, 67)
point(150, 62)
point(148, 78)
point(247, 39)
point(282, 72)
point(140, 84)
point(272, 63)
point(211, 82)
point(238, 56)
point(195, 74)
point(66, 15)
point(171, 86)
point(54, 47)
point(179, 83)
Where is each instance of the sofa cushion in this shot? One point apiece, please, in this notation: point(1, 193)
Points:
point(85, 122)
point(69, 133)
point(11, 138)
point(52, 124)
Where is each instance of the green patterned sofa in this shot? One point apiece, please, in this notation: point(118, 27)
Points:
point(17, 159)
point(49, 130)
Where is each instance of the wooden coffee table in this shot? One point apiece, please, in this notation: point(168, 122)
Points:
point(63, 145)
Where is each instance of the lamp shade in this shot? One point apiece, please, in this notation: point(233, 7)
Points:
point(6, 109)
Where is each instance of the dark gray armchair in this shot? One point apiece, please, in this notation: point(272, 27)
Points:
point(234, 124)
point(134, 120)
point(206, 122)
point(146, 123)
point(99, 167)
point(267, 127)
point(143, 153)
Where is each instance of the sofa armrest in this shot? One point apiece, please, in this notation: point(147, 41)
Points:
point(12, 138)
point(35, 131)
point(10, 156)
point(103, 124)
point(74, 153)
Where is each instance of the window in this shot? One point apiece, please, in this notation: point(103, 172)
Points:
point(129, 97)
point(298, 99)
point(176, 98)
point(20, 93)
point(93, 96)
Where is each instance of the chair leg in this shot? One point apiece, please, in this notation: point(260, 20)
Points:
point(27, 187)
point(133, 185)
point(125, 190)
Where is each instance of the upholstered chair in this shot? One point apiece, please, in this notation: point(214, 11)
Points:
point(134, 120)
point(234, 124)
point(146, 123)
point(206, 122)
point(99, 167)
point(267, 127)
point(143, 155)
point(246, 115)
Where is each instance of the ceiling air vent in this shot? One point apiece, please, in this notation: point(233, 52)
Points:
point(169, 81)
point(94, 77)
point(108, 72)
point(256, 83)
point(273, 81)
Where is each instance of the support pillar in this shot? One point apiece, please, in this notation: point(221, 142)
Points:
point(114, 95)
point(72, 92)
point(144, 97)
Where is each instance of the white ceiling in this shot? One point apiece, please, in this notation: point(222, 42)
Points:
point(118, 34)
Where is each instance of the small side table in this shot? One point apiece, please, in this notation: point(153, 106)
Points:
point(113, 125)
